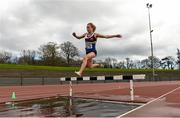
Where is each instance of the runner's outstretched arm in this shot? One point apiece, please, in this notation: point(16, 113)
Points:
point(78, 37)
point(108, 36)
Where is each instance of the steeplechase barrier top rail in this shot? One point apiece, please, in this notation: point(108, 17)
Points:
point(115, 77)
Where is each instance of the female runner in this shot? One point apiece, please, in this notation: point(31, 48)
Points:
point(90, 41)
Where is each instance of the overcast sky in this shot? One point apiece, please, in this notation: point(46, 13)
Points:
point(26, 24)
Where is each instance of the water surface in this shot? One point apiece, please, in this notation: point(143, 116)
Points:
point(64, 107)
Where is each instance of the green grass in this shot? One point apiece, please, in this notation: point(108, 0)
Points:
point(72, 69)
point(32, 67)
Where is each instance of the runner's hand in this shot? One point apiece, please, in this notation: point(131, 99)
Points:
point(74, 34)
point(119, 36)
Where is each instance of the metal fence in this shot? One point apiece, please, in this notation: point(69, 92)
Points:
point(6, 81)
point(24, 81)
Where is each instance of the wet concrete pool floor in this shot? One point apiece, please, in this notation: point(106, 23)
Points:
point(60, 107)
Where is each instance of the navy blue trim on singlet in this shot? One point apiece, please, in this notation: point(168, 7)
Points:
point(95, 52)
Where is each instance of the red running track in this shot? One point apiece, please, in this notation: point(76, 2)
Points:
point(154, 93)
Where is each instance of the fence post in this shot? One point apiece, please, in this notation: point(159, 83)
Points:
point(70, 89)
point(43, 80)
point(60, 81)
point(21, 79)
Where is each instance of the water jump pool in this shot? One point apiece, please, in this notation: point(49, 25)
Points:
point(61, 107)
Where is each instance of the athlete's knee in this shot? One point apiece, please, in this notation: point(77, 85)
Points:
point(85, 58)
point(89, 66)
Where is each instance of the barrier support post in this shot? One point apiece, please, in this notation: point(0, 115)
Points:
point(70, 98)
point(70, 88)
point(132, 90)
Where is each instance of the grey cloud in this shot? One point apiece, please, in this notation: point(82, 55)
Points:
point(76, 11)
point(40, 21)
point(123, 50)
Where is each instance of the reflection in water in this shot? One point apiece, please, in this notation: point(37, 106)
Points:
point(63, 107)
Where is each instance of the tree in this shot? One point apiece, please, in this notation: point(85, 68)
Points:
point(69, 51)
point(136, 64)
point(121, 65)
point(5, 57)
point(168, 62)
point(178, 56)
point(114, 62)
point(49, 53)
point(146, 63)
point(108, 62)
point(28, 57)
point(156, 61)
point(129, 63)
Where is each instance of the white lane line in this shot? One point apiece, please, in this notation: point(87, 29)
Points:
point(148, 102)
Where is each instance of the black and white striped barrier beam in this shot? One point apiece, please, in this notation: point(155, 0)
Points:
point(115, 77)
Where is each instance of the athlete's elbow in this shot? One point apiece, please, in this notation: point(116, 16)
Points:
point(109, 36)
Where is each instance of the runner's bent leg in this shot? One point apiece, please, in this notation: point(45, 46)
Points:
point(85, 61)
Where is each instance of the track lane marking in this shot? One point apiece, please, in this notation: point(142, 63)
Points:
point(148, 102)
